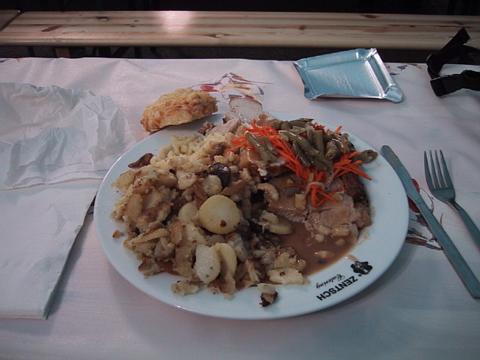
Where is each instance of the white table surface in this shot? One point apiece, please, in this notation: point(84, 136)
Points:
point(418, 309)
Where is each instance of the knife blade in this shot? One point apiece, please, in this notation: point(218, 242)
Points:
point(449, 248)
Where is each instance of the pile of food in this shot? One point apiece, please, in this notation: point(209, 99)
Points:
point(243, 205)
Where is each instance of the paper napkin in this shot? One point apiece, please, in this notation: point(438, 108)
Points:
point(55, 146)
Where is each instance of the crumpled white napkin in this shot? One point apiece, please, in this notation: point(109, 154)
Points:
point(50, 134)
point(55, 146)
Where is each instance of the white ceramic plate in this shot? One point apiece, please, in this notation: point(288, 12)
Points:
point(377, 248)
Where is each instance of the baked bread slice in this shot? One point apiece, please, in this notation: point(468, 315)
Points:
point(179, 107)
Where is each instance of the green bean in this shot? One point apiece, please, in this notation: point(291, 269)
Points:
point(318, 142)
point(268, 145)
point(346, 145)
point(283, 135)
point(366, 156)
point(302, 142)
point(300, 122)
point(332, 150)
point(275, 123)
point(297, 129)
point(340, 148)
point(321, 164)
point(310, 135)
point(262, 150)
point(314, 157)
point(301, 155)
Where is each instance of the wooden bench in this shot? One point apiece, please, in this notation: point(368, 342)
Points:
point(229, 29)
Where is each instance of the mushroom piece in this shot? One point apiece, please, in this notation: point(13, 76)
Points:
point(275, 224)
point(271, 191)
point(268, 294)
point(144, 160)
point(222, 171)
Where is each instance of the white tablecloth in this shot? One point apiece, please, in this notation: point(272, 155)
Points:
point(418, 309)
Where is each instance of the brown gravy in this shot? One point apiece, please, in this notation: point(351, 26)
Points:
point(306, 247)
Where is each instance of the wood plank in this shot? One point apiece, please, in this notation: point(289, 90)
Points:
point(74, 15)
point(215, 28)
point(235, 19)
point(6, 16)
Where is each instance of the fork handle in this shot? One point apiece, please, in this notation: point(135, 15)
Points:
point(472, 228)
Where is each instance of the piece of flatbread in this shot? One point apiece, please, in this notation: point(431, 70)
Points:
point(179, 107)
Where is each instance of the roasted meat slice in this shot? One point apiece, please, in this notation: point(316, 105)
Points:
point(354, 187)
point(341, 219)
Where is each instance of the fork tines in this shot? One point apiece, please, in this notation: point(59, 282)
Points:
point(437, 175)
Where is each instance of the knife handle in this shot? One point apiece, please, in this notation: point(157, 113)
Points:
point(452, 254)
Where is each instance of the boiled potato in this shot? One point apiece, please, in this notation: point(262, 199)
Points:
point(228, 258)
point(219, 214)
point(212, 185)
point(188, 212)
point(207, 263)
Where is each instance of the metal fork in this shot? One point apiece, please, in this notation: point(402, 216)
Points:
point(441, 186)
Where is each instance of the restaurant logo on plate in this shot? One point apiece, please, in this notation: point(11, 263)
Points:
point(359, 267)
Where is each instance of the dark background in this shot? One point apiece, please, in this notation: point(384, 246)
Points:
point(429, 7)
point(465, 7)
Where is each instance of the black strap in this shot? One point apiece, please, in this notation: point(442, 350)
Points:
point(467, 79)
point(454, 50)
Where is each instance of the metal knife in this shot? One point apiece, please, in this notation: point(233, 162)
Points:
point(449, 248)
